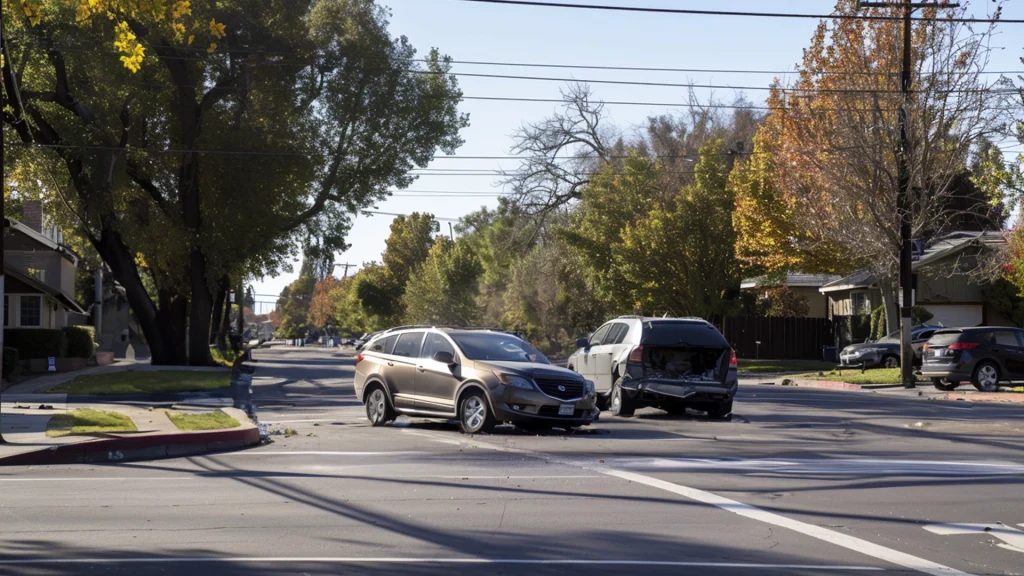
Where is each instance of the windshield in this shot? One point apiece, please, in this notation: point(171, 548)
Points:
point(497, 347)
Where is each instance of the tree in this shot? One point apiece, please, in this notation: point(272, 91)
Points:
point(291, 316)
point(322, 303)
point(136, 155)
point(380, 288)
point(835, 132)
point(444, 288)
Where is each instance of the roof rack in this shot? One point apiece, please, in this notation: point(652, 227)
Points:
point(409, 327)
point(629, 317)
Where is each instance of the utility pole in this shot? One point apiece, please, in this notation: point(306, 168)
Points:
point(347, 266)
point(451, 232)
point(903, 204)
point(3, 235)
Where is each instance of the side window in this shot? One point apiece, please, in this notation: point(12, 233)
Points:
point(617, 335)
point(436, 343)
point(389, 344)
point(408, 344)
point(1005, 338)
point(598, 338)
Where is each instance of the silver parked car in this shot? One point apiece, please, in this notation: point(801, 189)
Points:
point(670, 363)
point(481, 377)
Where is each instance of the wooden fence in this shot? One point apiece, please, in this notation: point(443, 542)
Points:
point(779, 338)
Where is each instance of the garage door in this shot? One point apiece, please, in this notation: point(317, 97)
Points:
point(956, 315)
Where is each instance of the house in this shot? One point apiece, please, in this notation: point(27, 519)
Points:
point(806, 285)
point(946, 286)
point(39, 289)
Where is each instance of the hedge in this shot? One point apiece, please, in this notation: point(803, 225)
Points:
point(35, 343)
point(10, 361)
point(81, 341)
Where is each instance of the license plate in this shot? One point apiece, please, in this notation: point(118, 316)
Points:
point(566, 409)
point(938, 352)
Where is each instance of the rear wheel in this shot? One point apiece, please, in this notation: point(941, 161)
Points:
point(945, 384)
point(475, 414)
point(621, 404)
point(378, 408)
point(986, 377)
point(604, 401)
point(720, 410)
point(891, 361)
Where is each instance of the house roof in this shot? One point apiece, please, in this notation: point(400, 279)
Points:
point(793, 279)
point(69, 302)
point(935, 251)
point(34, 238)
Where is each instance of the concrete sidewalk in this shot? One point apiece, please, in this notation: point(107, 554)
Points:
point(924, 390)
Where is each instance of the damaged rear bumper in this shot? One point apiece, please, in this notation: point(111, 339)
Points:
point(659, 389)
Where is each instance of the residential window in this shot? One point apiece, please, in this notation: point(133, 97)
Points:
point(31, 311)
point(860, 304)
point(38, 274)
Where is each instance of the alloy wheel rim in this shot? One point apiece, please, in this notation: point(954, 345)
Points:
point(376, 406)
point(473, 413)
point(616, 399)
point(987, 375)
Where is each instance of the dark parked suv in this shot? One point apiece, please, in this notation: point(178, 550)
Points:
point(480, 377)
point(983, 356)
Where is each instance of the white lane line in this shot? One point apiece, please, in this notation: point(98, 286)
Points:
point(276, 560)
point(311, 453)
point(823, 466)
point(843, 540)
point(99, 479)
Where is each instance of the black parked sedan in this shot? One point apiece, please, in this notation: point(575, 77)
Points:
point(984, 356)
point(885, 353)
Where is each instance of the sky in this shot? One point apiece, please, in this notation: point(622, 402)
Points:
point(498, 33)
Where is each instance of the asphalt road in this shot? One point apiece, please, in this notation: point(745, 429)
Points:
point(799, 482)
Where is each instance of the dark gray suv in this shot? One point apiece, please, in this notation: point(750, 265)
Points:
point(480, 377)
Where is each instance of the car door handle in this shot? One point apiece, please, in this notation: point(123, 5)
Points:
point(421, 368)
point(391, 363)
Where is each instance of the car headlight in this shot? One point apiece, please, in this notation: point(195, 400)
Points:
point(588, 388)
point(514, 381)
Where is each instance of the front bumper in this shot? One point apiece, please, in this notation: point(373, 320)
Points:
point(656, 390)
point(868, 359)
point(518, 405)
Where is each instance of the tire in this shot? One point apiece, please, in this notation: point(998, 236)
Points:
point(620, 403)
point(986, 377)
point(945, 384)
point(721, 410)
point(378, 407)
point(475, 413)
point(890, 361)
point(604, 401)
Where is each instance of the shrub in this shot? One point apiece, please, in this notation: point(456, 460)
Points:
point(10, 361)
point(35, 343)
point(81, 341)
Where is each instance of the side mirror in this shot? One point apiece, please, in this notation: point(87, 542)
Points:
point(444, 357)
point(582, 343)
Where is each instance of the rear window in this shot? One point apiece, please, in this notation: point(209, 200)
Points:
point(681, 333)
point(944, 338)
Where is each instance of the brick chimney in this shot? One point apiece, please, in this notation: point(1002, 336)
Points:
point(33, 215)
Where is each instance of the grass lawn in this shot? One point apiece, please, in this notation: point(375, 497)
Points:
point(88, 422)
point(148, 381)
point(854, 376)
point(206, 421)
point(775, 366)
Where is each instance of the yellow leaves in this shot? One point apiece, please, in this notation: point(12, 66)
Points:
point(210, 49)
point(126, 43)
point(181, 8)
point(216, 29)
point(191, 38)
point(32, 10)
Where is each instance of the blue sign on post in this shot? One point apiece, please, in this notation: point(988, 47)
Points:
point(52, 364)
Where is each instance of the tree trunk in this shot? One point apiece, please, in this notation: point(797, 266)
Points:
point(218, 310)
point(892, 312)
point(156, 325)
point(225, 322)
point(200, 312)
point(240, 320)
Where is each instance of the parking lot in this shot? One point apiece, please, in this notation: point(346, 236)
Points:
point(797, 482)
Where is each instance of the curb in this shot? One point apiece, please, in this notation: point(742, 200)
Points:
point(128, 449)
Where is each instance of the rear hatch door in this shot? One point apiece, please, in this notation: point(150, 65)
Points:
point(685, 351)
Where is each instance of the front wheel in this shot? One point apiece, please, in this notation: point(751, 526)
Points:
point(378, 408)
point(891, 362)
point(986, 377)
point(475, 414)
point(945, 384)
point(621, 404)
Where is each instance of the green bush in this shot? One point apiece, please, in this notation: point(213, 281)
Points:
point(878, 322)
point(10, 361)
point(35, 343)
point(81, 341)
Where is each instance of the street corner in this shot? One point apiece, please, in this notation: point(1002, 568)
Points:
point(110, 434)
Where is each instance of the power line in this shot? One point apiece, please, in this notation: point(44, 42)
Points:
point(379, 213)
point(691, 12)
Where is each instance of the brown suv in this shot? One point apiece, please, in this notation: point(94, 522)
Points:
point(480, 377)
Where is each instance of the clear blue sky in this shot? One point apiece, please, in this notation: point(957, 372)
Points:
point(485, 32)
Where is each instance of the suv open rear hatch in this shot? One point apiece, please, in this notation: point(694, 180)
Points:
point(675, 355)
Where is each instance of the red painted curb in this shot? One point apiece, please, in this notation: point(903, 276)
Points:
point(150, 447)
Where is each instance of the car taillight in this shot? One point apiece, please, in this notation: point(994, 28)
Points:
point(359, 359)
point(732, 358)
point(963, 345)
point(637, 355)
